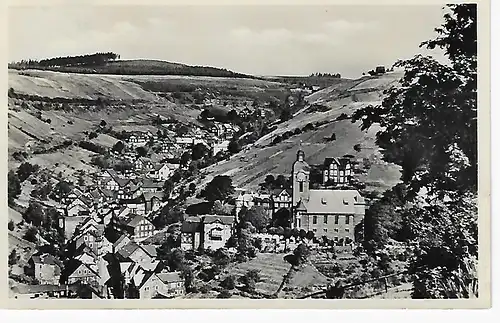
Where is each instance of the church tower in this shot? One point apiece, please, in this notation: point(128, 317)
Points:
point(300, 179)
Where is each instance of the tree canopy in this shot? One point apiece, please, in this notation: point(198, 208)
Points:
point(220, 188)
point(429, 128)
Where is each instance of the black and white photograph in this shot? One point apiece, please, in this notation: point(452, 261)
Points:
point(246, 152)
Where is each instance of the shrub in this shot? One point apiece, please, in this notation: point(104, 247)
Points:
point(30, 234)
point(229, 282)
point(225, 294)
point(10, 225)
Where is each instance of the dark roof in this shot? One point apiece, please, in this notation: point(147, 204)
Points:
point(133, 222)
point(225, 219)
point(191, 224)
point(138, 200)
point(128, 249)
point(170, 277)
point(151, 184)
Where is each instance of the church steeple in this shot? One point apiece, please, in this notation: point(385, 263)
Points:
point(300, 178)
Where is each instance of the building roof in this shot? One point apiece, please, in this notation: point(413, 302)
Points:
point(278, 191)
point(135, 221)
point(150, 249)
point(120, 240)
point(170, 277)
point(148, 183)
point(225, 219)
point(191, 224)
point(334, 201)
point(128, 249)
point(74, 264)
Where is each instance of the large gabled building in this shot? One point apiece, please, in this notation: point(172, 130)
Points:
point(334, 213)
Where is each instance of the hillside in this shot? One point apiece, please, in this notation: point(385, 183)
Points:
point(125, 67)
point(249, 167)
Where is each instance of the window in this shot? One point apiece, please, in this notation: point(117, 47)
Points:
point(301, 187)
point(314, 230)
point(346, 229)
point(156, 287)
point(325, 219)
point(336, 230)
point(325, 230)
point(146, 288)
point(346, 219)
point(315, 219)
point(336, 219)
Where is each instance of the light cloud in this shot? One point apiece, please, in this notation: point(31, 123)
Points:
point(266, 40)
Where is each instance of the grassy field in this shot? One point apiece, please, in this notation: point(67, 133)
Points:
point(272, 269)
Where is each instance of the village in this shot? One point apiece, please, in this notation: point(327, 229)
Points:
point(110, 228)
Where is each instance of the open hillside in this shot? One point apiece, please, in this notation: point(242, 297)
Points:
point(135, 99)
point(131, 102)
point(249, 167)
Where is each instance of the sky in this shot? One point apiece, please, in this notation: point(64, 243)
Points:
point(258, 40)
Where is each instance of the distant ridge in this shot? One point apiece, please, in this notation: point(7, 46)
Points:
point(105, 65)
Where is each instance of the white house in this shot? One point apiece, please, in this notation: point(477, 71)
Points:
point(163, 172)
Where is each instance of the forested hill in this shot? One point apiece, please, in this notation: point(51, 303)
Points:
point(110, 63)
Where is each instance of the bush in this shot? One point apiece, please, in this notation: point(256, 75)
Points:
point(10, 225)
point(30, 234)
point(229, 282)
point(225, 294)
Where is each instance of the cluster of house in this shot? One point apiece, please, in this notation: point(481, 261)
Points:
point(127, 205)
point(172, 145)
point(97, 262)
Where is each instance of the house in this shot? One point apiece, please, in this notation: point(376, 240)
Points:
point(110, 180)
point(43, 291)
point(46, 269)
point(281, 199)
point(138, 138)
point(120, 243)
point(135, 254)
point(336, 214)
point(71, 196)
point(206, 232)
point(88, 239)
point(139, 228)
point(143, 204)
point(150, 186)
point(144, 164)
point(248, 200)
point(69, 224)
point(81, 272)
point(162, 172)
point(168, 284)
point(337, 171)
point(79, 206)
point(220, 147)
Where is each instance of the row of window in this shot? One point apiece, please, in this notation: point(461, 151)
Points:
point(325, 219)
point(334, 166)
point(337, 180)
point(335, 173)
point(325, 230)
